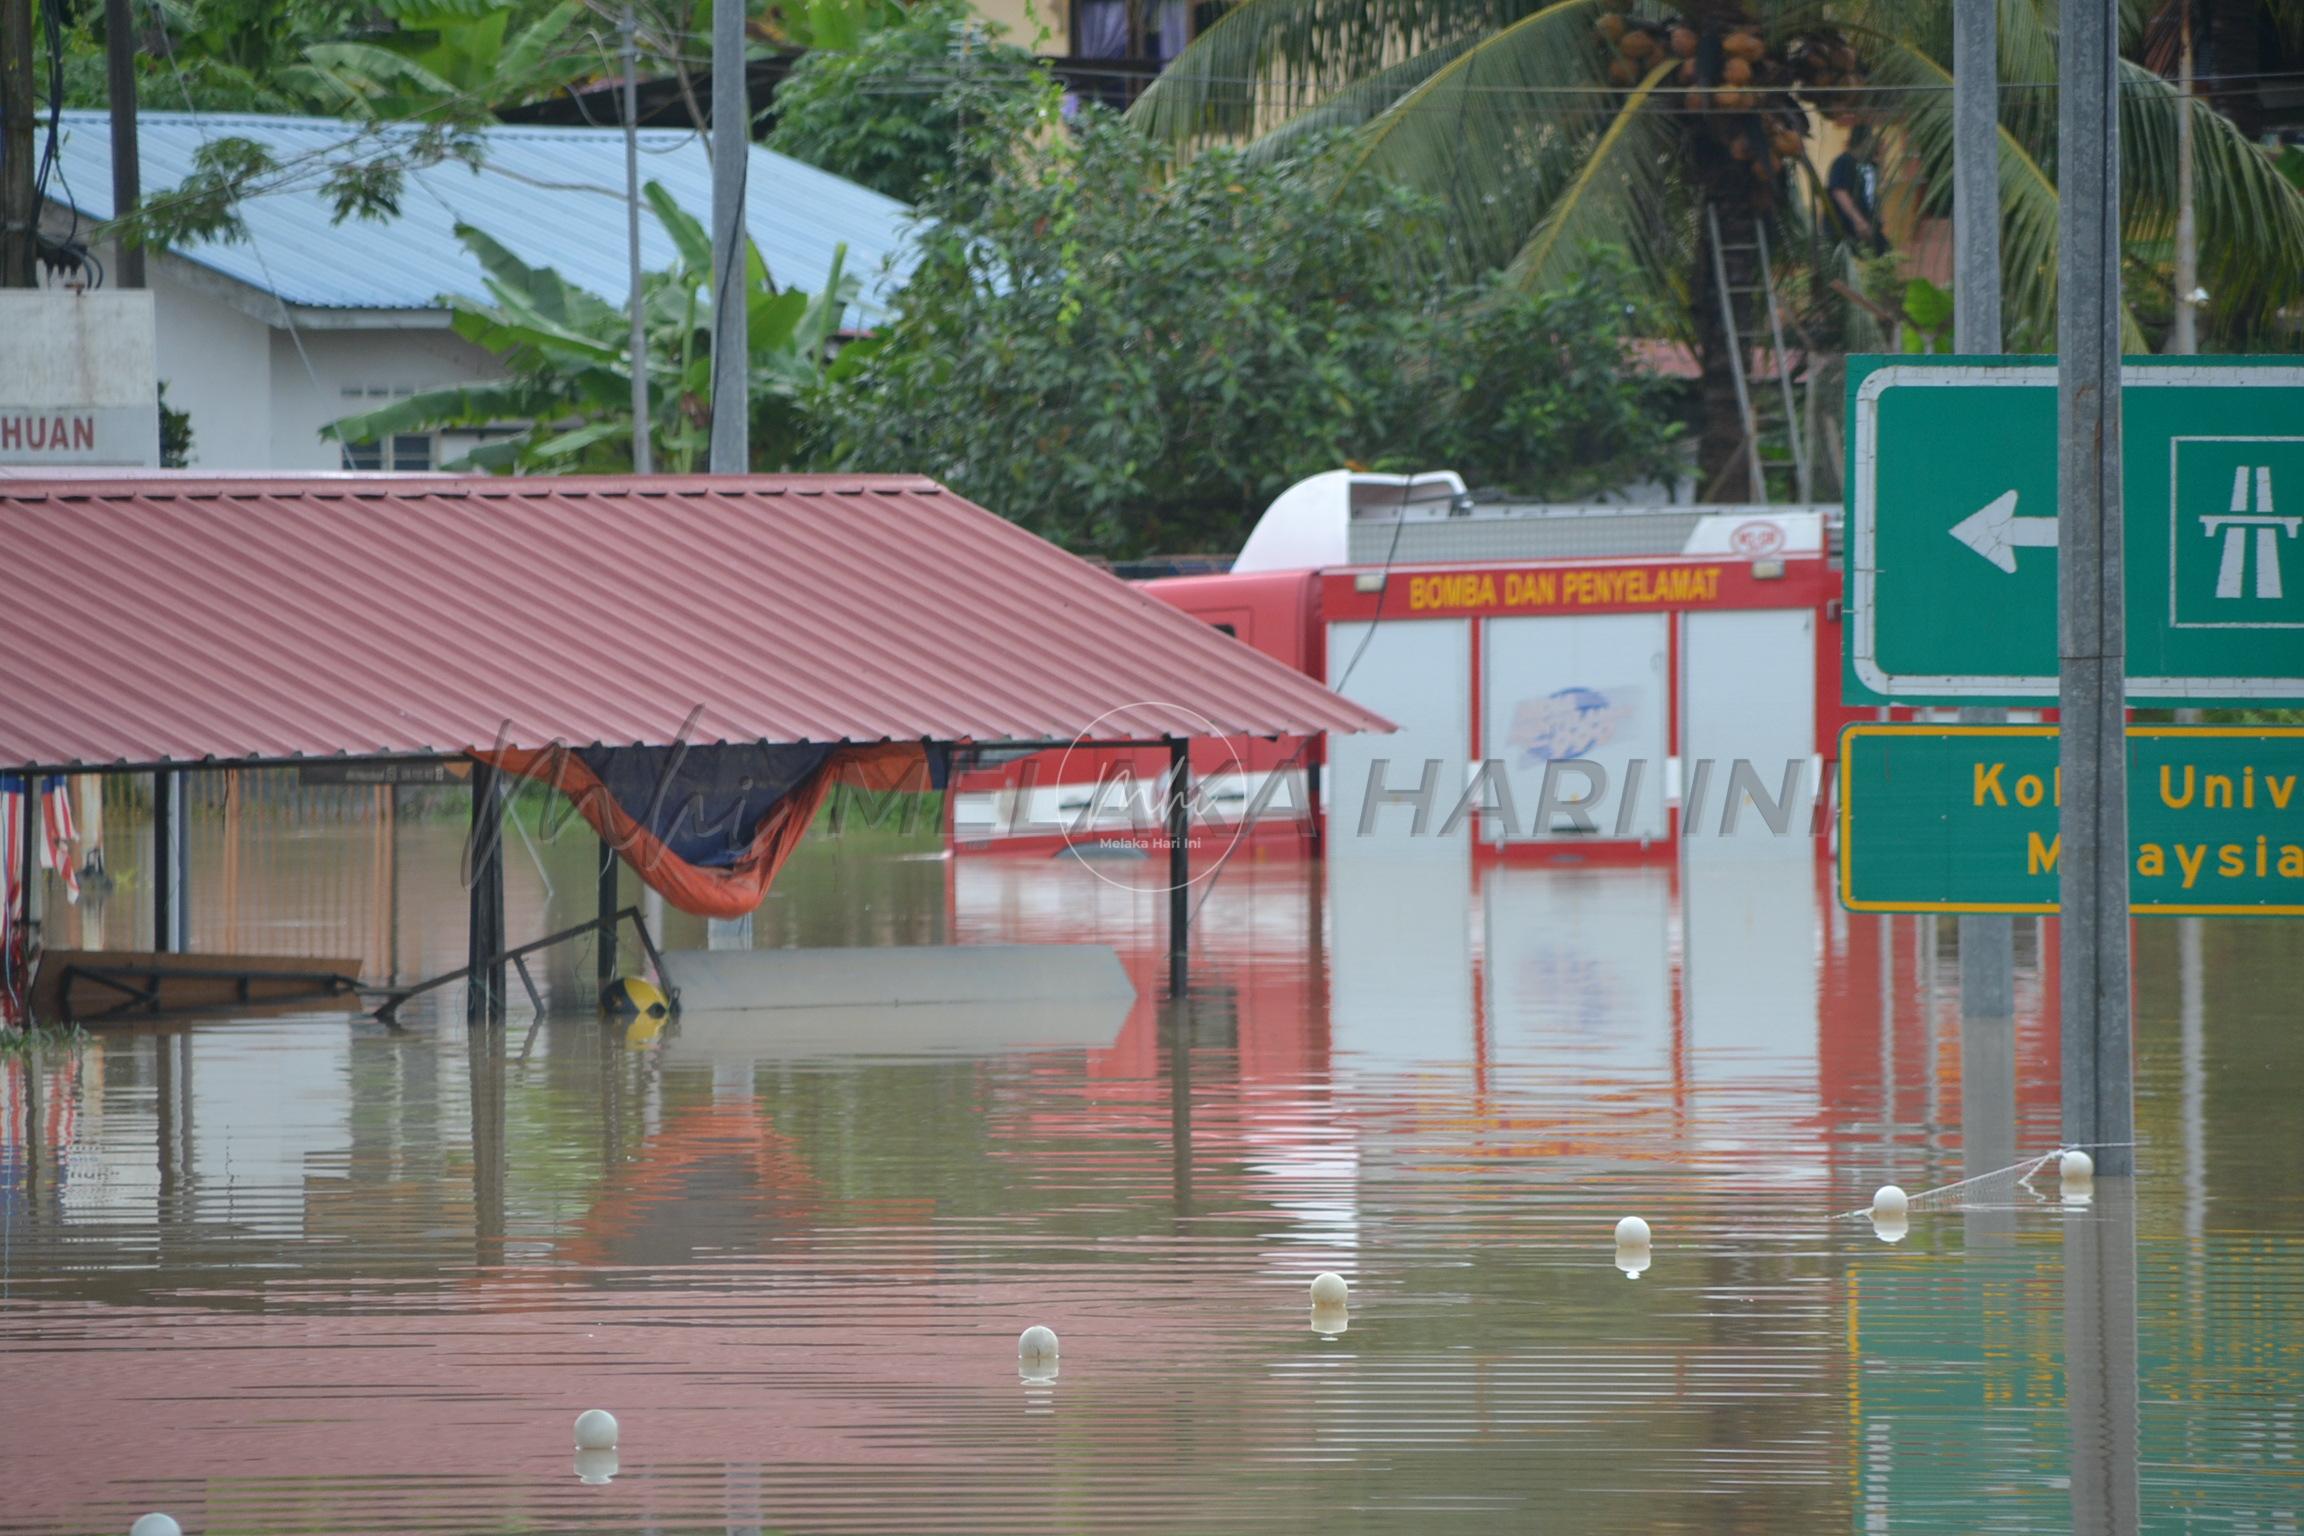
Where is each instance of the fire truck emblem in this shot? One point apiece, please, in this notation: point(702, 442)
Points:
point(1569, 723)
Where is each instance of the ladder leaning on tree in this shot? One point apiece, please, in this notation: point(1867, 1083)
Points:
point(1755, 408)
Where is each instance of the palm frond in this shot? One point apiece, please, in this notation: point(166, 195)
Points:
point(1616, 198)
point(2028, 204)
point(1264, 60)
point(1356, 104)
point(1496, 132)
point(2251, 218)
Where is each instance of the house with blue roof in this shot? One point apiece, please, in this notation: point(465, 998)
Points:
point(268, 339)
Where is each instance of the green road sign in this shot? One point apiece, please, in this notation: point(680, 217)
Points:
point(1962, 818)
point(1952, 529)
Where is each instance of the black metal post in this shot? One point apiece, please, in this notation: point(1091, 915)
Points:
point(168, 858)
point(484, 879)
point(605, 970)
point(1179, 866)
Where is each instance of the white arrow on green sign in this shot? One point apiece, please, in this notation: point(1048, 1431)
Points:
point(1952, 529)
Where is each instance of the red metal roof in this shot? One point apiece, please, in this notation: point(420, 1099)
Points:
point(145, 621)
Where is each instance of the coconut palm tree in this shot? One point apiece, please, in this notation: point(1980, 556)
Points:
point(1545, 127)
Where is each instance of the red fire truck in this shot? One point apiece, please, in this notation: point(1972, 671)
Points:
point(1569, 682)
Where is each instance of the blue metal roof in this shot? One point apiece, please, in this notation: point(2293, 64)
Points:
point(553, 196)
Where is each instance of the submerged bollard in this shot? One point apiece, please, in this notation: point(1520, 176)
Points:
point(597, 1464)
point(1329, 1290)
point(1631, 1232)
point(1036, 1354)
point(595, 1430)
point(1890, 1226)
point(1330, 1321)
point(1632, 1258)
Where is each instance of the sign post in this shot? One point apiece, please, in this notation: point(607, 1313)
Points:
point(1987, 940)
point(2099, 1096)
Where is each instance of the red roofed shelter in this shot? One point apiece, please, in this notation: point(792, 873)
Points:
point(584, 631)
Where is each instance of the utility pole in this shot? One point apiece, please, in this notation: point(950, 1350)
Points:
point(643, 444)
point(2099, 1098)
point(2185, 339)
point(19, 215)
point(1987, 940)
point(731, 156)
point(127, 173)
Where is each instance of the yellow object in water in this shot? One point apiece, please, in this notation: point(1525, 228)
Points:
point(636, 998)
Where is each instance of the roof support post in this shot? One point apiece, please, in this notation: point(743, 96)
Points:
point(28, 873)
point(604, 971)
point(171, 843)
point(484, 881)
point(1179, 866)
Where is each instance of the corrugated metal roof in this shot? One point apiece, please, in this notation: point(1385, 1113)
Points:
point(198, 619)
point(553, 196)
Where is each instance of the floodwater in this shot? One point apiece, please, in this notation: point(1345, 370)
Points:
point(306, 1274)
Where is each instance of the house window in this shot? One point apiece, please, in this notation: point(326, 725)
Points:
point(403, 451)
point(1130, 29)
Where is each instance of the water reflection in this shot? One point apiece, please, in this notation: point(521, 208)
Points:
point(264, 1272)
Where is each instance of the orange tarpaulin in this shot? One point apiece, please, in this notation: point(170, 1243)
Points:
point(736, 887)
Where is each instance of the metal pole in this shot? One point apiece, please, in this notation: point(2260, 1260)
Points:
point(1988, 941)
point(2184, 340)
point(2099, 1099)
point(19, 213)
point(167, 866)
point(731, 148)
point(1976, 176)
point(643, 442)
point(120, 92)
point(2102, 1382)
point(1179, 867)
point(484, 877)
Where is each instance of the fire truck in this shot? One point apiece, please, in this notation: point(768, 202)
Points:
point(1604, 682)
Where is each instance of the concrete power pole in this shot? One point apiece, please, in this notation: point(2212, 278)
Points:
point(19, 217)
point(1987, 941)
point(731, 156)
point(2099, 1101)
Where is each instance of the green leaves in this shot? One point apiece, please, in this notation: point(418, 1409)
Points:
point(1126, 354)
point(567, 405)
point(930, 96)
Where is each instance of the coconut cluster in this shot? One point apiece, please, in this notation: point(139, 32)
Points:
point(1751, 91)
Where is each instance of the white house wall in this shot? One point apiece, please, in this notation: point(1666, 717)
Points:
point(359, 370)
point(217, 363)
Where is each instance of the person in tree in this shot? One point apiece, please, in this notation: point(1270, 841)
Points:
point(1854, 187)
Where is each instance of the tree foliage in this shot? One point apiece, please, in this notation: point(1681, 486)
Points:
point(1543, 127)
point(1126, 354)
point(567, 393)
point(931, 95)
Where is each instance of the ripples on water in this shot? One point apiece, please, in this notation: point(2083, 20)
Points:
point(308, 1275)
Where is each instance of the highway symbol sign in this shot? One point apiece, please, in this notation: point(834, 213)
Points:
point(1952, 530)
point(1963, 818)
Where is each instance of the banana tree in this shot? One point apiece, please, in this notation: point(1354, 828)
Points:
point(1548, 126)
point(453, 58)
point(565, 403)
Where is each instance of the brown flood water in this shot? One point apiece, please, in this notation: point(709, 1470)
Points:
point(309, 1275)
